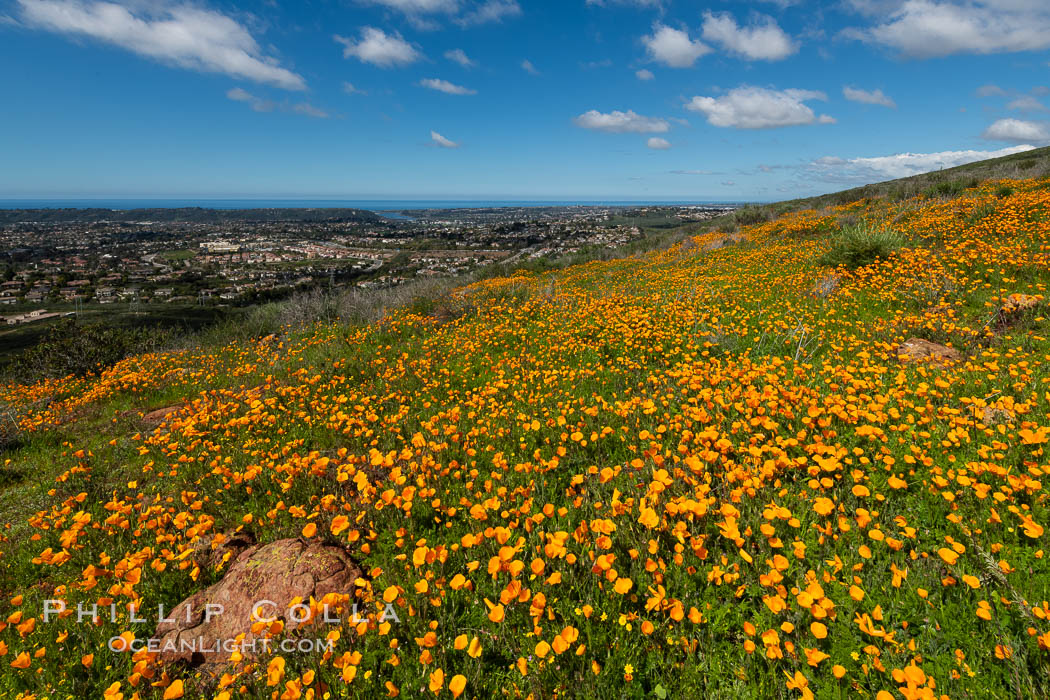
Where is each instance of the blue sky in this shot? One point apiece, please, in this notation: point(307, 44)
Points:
point(638, 99)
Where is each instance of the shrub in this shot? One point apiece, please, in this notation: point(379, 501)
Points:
point(951, 188)
point(1004, 191)
point(748, 216)
point(858, 245)
point(79, 349)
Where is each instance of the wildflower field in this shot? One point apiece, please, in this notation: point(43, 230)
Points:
point(701, 472)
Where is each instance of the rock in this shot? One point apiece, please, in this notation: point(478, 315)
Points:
point(826, 286)
point(209, 554)
point(995, 416)
point(916, 349)
point(157, 415)
point(1019, 303)
point(1015, 307)
point(279, 572)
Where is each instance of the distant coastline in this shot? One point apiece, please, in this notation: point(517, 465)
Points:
point(375, 205)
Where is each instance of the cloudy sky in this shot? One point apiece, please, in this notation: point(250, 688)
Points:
point(637, 99)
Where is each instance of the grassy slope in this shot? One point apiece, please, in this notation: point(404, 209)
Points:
point(1029, 164)
point(717, 483)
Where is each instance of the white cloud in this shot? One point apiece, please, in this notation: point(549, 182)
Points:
point(621, 122)
point(637, 3)
point(446, 87)
point(991, 91)
point(412, 7)
point(459, 56)
point(465, 14)
point(310, 111)
point(379, 48)
point(240, 95)
point(260, 105)
point(928, 28)
point(658, 144)
point(527, 66)
point(854, 170)
point(748, 107)
point(764, 40)
point(490, 11)
point(1026, 103)
point(350, 89)
point(644, 74)
point(441, 141)
point(1018, 131)
point(873, 97)
point(185, 36)
point(257, 104)
point(673, 47)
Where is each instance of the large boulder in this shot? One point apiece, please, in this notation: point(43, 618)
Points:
point(917, 349)
point(282, 573)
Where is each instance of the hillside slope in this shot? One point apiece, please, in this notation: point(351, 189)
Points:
point(1027, 164)
point(700, 472)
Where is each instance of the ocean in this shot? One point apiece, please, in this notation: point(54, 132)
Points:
point(378, 205)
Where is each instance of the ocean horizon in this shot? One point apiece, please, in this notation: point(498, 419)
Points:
point(377, 205)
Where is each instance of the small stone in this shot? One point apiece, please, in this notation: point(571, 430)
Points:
point(826, 286)
point(917, 349)
point(157, 415)
point(996, 416)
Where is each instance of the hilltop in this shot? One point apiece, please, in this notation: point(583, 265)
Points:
point(948, 181)
point(800, 452)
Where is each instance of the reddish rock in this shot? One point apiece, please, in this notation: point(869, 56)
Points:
point(157, 416)
point(280, 572)
point(917, 349)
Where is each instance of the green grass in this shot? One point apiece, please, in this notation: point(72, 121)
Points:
point(860, 244)
point(179, 254)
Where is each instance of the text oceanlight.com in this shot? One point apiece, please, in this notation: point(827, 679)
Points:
point(261, 645)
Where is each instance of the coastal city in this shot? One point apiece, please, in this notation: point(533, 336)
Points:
point(78, 262)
